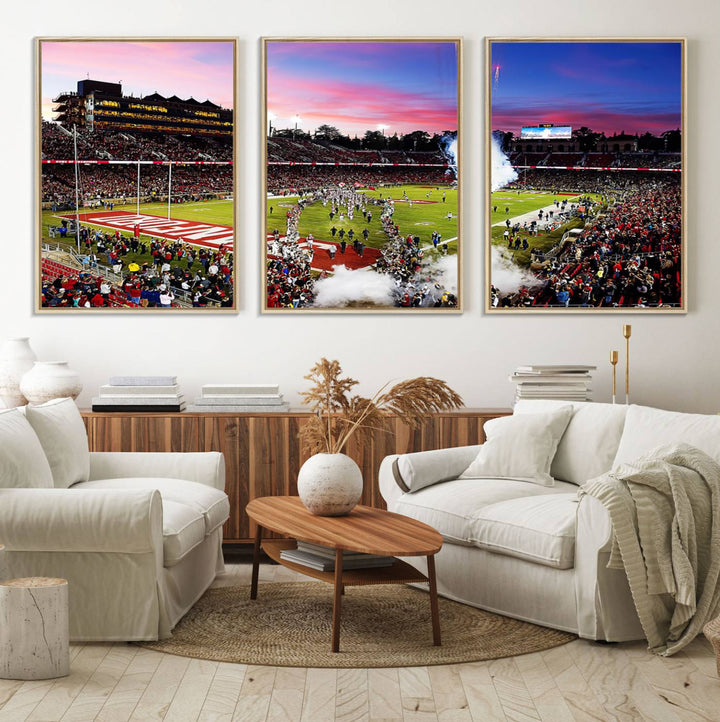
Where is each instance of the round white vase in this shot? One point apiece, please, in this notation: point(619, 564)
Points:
point(49, 380)
point(16, 359)
point(330, 484)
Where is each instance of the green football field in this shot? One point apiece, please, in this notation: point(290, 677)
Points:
point(426, 215)
point(212, 211)
point(523, 202)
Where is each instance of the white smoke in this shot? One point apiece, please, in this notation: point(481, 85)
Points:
point(506, 276)
point(502, 172)
point(447, 272)
point(361, 286)
point(448, 146)
point(442, 272)
point(365, 286)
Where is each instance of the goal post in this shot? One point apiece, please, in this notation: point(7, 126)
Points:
point(172, 182)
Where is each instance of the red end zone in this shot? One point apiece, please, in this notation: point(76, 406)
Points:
point(322, 261)
point(209, 235)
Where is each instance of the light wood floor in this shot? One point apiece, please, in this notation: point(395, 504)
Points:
point(578, 681)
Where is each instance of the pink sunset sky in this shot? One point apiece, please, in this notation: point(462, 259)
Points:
point(202, 69)
point(361, 85)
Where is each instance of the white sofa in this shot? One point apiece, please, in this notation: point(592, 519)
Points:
point(138, 536)
point(539, 553)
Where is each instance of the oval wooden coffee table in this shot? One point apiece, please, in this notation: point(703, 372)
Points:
point(364, 529)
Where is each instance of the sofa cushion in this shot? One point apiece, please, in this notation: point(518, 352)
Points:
point(520, 447)
point(212, 504)
point(591, 439)
point(60, 428)
point(23, 463)
point(647, 428)
point(540, 529)
point(453, 508)
point(183, 530)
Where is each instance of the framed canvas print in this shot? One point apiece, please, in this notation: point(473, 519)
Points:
point(136, 180)
point(585, 175)
point(362, 175)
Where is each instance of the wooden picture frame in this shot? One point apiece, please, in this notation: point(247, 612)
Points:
point(585, 175)
point(362, 175)
point(136, 201)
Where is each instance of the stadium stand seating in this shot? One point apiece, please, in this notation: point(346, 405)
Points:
point(598, 160)
point(52, 270)
point(566, 159)
point(57, 143)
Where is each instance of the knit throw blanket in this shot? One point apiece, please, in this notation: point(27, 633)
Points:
point(665, 512)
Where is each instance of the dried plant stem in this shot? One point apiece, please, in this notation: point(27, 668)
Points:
point(339, 416)
point(329, 425)
point(358, 423)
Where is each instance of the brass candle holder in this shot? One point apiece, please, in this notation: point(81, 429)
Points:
point(627, 332)
point(613, 360)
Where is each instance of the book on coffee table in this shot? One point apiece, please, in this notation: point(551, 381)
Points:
point(351, 560)
point(329, 553)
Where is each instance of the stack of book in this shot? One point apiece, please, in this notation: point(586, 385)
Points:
point(240, 398)
point(322, 558)
point(563, 382)
point(140, 393)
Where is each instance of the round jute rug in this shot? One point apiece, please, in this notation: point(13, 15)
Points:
point(289, 625)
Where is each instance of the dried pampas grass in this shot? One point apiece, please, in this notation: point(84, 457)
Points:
point(339, 415)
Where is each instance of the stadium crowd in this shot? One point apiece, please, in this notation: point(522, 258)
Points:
point(58, 144)
point(571, 182)
point(119, 183)
point(293, 180)
point(599, 160)
point(307, 151)
point(402, 258)
point(174, 269)
point(290, 283)
point(629, 256)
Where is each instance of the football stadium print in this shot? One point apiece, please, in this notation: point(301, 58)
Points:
point(362, 175)
point(137, 180)
point(585, 154)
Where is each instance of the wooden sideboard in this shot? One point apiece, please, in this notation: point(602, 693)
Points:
point(262, 452)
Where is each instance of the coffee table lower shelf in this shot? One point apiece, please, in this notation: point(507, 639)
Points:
point(399, 572)
point(364, 529)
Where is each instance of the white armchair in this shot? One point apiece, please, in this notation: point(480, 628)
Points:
point(137, 536)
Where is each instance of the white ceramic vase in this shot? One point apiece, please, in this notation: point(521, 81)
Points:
point(49, 380)
point(16, 358)
point(330, 484)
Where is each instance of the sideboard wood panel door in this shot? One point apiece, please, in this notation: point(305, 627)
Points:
point(230, 435)
point(262, 452)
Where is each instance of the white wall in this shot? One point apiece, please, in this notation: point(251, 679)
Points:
point(674, 357)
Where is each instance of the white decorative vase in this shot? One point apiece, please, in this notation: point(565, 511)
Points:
point(49, 380)
point(330, 484)
point(16, 358)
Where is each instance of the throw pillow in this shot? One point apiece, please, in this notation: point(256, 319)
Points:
point(418, 470)
point(22, 460)
point(60, 428)
point(590, 442)
point(520, 447)
point(647, 428)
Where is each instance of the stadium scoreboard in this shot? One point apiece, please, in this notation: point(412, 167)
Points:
point(546, 132)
